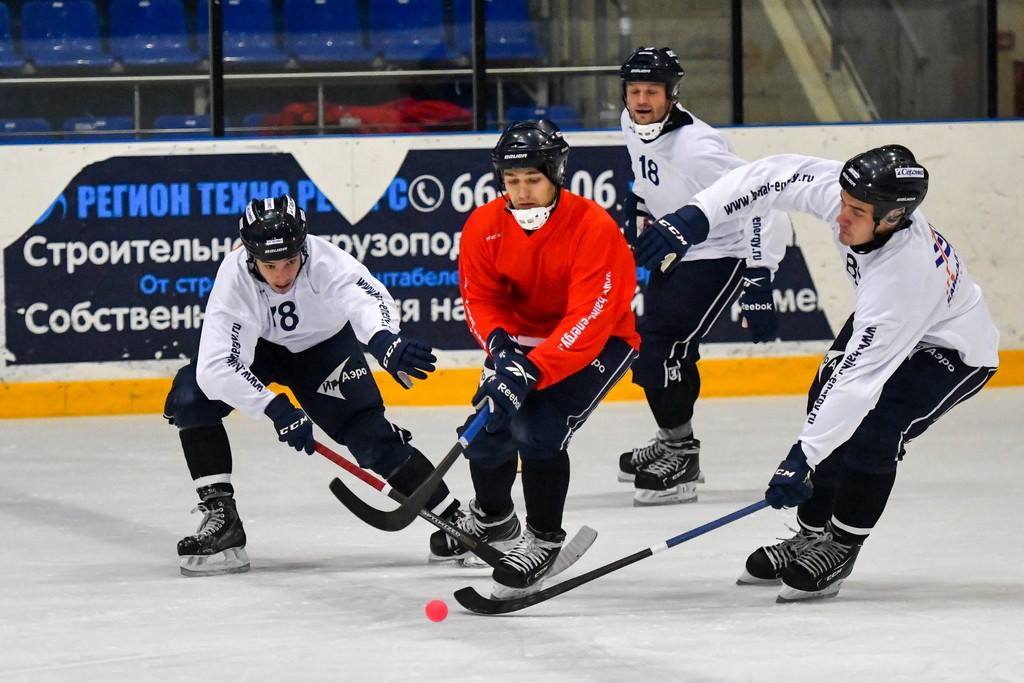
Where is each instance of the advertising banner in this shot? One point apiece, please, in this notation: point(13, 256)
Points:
point(120, 266)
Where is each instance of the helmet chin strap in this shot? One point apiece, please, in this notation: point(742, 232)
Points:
point(532, 219)
point(649, 131)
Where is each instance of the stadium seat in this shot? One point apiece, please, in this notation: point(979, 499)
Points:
point(510, 33)
point(62, 33)
point(99, 128)
point(324, 31)
point(17, 130)
point(409, 30)
point(149, 33)
point(9, 59)
point(193, 125)
point(565, 116)
point(249, 35)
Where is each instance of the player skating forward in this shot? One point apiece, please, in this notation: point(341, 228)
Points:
point(547, 280)
point(674, 155)
point(920, 341)
point(291, 308)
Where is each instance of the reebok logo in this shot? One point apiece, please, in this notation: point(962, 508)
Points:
point(509, 394)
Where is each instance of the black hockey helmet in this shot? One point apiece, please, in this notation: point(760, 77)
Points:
point(531, 144)
point(273, 228)
point(653, 65)
point(888, 178)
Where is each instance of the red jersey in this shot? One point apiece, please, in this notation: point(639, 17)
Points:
point(568, 284)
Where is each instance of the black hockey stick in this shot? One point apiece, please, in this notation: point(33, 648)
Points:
point(402, 516)
point(474, 602)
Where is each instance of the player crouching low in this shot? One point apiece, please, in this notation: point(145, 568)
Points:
point(547, 281)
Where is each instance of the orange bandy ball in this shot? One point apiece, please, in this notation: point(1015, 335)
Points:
point(436, 610)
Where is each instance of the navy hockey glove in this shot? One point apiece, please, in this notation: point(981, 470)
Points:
point(667, 239)
point(789, 485)
point(402, 356)
point(292, 425)
point(500, 344)
point(757, 305)
point(504, 391)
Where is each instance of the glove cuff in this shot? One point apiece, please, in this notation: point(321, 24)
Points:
point(278, 407)
point(697, 226)
point(379, 344)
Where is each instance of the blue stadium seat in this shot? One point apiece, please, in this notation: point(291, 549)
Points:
point(565, 116)
point(409, 30)
point(17, 130)
point(9, 59)
point(249, 35)
point(99, 128)
point(150, 32)
point(324, 31)
point(510, 33)
point(62, 33)
point(195, 125)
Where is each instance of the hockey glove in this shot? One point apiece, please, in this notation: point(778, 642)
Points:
point(757, 305)
point(402, 356)
point(667, 239)
point(501, 344)
point(789, 485)
point(504, 391)
point(292, 425)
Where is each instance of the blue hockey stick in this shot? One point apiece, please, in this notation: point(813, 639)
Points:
point(474, 602)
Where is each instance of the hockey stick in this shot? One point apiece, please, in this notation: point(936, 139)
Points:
point(474, 602)
point(484, 551)
point(402, 516)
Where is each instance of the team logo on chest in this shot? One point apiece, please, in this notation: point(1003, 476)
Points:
point(332, 385)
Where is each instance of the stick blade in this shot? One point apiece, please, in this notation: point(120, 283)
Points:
point(385, 520)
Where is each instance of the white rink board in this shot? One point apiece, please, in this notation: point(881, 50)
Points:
point(977, 170)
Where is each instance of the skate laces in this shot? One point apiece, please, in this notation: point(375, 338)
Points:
point(823, 554)
point(673, 461)
point(529, 553)
point(472, 523)
point(213, 519)
point(647, 454)
point(787, 551)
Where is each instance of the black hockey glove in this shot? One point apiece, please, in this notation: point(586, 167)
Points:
point(292, 425)
point(402, 356)
point(666, 240)
point(758, 306)
point(504, 391)
point(500, 344)
point(789, 485)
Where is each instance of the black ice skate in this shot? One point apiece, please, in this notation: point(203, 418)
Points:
point(218, 546)
point(819, 570)
point(672, 478)
point(656, 448)
point(523, 568)
point(500, 531)
point(765, 565)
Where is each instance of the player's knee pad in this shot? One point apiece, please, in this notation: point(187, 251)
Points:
point(489, 450)
point(376, 444)
point(875, 448)
point(187, 406)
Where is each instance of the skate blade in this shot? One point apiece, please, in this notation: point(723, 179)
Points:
point(228, 561)
point(468, 561)
point(748, 579)
point(684, 493)
point(789, 594)
point(626, 478)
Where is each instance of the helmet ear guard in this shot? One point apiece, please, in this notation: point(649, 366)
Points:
point(890, 179)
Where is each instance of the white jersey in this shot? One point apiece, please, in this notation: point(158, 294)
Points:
point(912, 291)
point(669, 170)
point(331, 290)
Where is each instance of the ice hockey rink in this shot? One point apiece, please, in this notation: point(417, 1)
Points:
point(91, 509)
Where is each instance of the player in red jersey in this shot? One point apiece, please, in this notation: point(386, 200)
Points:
point(547, 280)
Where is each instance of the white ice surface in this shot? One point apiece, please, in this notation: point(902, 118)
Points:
point(91, 509)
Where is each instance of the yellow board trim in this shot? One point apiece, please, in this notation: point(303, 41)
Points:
point(720, 377)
